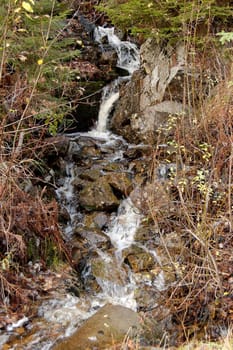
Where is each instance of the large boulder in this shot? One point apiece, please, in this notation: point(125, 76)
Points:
point(153, 94)
point(108, 326)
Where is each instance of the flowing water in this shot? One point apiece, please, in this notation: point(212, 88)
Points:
point(127, 52)
point(69, 311)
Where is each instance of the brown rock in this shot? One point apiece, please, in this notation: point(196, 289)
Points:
point(98, 195)
point(109, 325)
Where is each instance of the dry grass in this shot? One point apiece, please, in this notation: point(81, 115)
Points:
point(198, 206)
point(29, 229)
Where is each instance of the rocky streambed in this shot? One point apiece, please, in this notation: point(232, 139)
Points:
point(115, 248)
point(120, 270)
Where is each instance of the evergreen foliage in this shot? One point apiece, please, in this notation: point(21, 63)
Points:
point(33, 46)
point(166, 19)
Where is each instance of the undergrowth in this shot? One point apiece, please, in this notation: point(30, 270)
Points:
point(197, 149)
point(35, 81)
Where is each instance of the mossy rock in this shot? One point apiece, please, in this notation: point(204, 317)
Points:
point(138, 259)
point(98, 196)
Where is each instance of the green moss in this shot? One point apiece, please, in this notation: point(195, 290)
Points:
point(52, 255)
point(44, 250)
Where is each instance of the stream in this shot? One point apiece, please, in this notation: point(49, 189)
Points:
point(117, 281)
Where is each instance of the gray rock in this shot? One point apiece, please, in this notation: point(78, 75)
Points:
point(120, 182)
point(97, 220)
point(153, 94)
point(91, 237)
point(107, 272)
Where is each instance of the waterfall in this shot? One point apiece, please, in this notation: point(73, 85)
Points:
point(109, 97)
point(128, 59)
point(124, 225)
point(127, 52)
point(121, 234)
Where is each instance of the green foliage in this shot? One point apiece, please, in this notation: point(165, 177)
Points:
point(165, 19)
point(225, 37)
point(33, 45)
point(38, 36)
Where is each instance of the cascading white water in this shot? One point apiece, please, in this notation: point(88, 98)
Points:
point(109, 97)
point(128, 59)
point(65, 195)
point(127, 220)
point(121, 233)
point(124, 225)
point(127, 52)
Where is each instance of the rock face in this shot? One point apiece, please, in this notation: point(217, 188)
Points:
point(152, 95)
point(107, 327)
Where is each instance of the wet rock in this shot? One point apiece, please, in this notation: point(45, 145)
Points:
point(120, 183)
point(138, 151)
point(146, 233)
point(147, 297)
point(138, 259)
point(110, 324)
point(141, 166)
point(126, 108)
point(85, 242)
point(114, 167)
point(140, 262)
point(61, 170)
point(108, 56)
point(107, 272)
point(90, 152)
point(98, 195)
point(97, 219)
point(90, 174)
point(90, 237)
